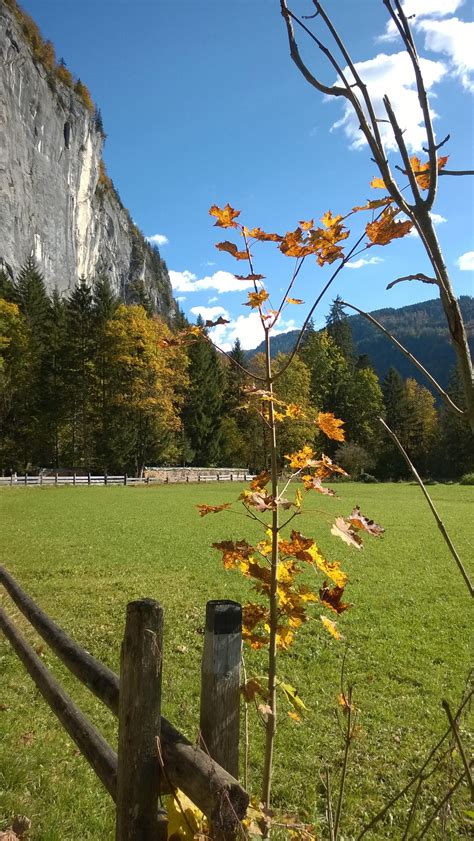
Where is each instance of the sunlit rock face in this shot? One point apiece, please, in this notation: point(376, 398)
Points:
point(55, 203)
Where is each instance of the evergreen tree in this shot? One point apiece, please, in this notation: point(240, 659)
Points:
point(79, 375)
point(390, 463)
point(455, 451)
point(339, 329)
point(202, 414)
point(104, 306)
point(53, 406)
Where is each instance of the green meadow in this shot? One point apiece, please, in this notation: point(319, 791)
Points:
point(83, 553)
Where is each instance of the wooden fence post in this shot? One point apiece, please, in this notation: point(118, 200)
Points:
point(220, 683)
point(74, 478)
point(88, 478)
point(26, 478)
point(125, 478)
point(105, 477)
point(139, 816)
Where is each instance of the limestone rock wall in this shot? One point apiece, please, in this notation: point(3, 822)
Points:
point(53, 203)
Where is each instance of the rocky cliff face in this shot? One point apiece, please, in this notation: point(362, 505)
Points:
point(56, 203)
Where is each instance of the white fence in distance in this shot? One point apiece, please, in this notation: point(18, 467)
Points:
point(166, 476)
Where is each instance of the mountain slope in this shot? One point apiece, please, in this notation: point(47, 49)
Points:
point(421, 328)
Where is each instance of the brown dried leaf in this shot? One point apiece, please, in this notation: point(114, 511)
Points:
point(347, 533)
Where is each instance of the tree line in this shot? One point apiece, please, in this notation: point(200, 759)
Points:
point(90, 383)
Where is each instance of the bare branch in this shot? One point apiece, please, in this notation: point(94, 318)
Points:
point(460, 745)
point(295, 55)
point(378, 817)
point(442, 393)
point(438, 519)
point(439, 806)
point(456, 172)
point(420, 276)
point(403, 149)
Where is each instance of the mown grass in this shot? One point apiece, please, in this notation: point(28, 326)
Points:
point(83, 553)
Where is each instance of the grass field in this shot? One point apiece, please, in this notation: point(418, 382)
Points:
point(83, 553)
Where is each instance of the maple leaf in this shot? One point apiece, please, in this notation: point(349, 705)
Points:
point(232, 249)
point(252, 614)
point(331, 426)
point(332, 570)
point(373, 204)
point(260, 500)
point(306, 226)
point(422, 171)
point(292, 245)
point(298, 498)
point(225, 216)
point(331, 627)
point(220, 320)
point(297, 546)
point(294, 301)
point(331, 598)
point(257, 233)
point(259, 482)
point(253, 277)
point(302, 458)
point(358, 520)
point(284, 637)
point(233, 552)
point(313, 483)
point(378, 183)
point(251, 688)
point(294, 716)
point(385, 229)
point(212, 509)
point(347, 533)
point(293, 410)
point(343, 702)
point(329, 221)
point(325, 467)
point(256, 299)
point(291, 695)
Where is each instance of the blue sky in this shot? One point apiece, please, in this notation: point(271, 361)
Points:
point(202, 105)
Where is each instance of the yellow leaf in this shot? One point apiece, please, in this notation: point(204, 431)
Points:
point(232, 249)
point(294, 301)
point(332, 570)
point(302, 458)
point(292, 696)
point(256, 299)
point(331, 426)
point(298, 498)
point(225, 216)
point(184, 818)
point(329, 221)
point(378, 183)
point(386, 229)
point(294, 716)
point(331, 627)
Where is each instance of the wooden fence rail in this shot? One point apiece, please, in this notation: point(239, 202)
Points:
point(165, 477)
point(146, 739)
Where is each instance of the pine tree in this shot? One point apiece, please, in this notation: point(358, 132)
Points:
point(53, 385)
point(202, 413)
point(79, 374)
point(339, 329)
point(455, 451)
point(390, 463)
point(104, 306)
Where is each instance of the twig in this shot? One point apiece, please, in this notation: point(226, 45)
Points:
point(332, 837)
point(412, 808)
point(460, 745)
point(246, 730)
point(419, 276)
point(440, 805)
point(349, 734)
point(438, 519)
point(443, 394)
point(378, 817)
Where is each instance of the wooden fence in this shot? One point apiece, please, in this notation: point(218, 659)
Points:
point(163, 476)
point(153, 756)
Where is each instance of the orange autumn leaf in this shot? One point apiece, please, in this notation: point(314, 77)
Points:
point(212, 509)
point(306, 226)
point(220, 320)
point(302, 458)
point(233, 552)
point(232, 249)
point(260, 481)
point(331, 627)
point(386, 229)
point(332, 570)
point(422, 171)
point(251, 688)
point(294, 411)
point(225, 216)
point(358, 521)
point(293, 245)
point(325, 467)
point(378, 183)
point(329, 221)
point(294, 301)
point(294, 716)
point(331, 598)
point(256, 299)
point(257, 233)
point(373, 204)
point(297, 546)
point(331, 426)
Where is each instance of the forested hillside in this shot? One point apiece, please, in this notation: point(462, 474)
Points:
point(420, 327)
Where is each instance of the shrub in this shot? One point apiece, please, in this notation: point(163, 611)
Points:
point(467, 479)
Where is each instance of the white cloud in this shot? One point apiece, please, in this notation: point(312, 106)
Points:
point(454, 38)
point(392, 75)
point(358, 264)
point(158, 239)
point(209, 313)
point(213, 299)
point(421, 9)
point(220, 281)
point(246, 328)
point(466, 261)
